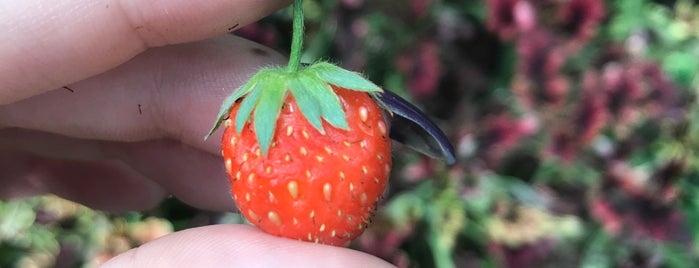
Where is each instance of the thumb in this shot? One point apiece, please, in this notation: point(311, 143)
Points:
point(233, 245)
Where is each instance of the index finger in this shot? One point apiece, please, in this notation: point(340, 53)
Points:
point(49, 44)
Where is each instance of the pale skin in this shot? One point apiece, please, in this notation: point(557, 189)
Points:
point(107, 102)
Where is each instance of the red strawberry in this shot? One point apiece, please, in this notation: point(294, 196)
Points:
point(318, 185)
point(307, 150)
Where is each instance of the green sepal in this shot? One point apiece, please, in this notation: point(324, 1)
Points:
point(267, 111)
point(248, 104)
point(330, 107)
point(224, 111)
point(308, 104)
point(342, 78)
point(264, 94)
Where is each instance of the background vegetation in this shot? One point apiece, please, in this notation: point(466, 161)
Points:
point(575, 123)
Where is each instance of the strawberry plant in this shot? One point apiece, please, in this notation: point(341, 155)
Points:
point(307, 148)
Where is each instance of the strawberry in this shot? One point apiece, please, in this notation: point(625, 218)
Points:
point(307, 152)
point(311, 185)
point(307, 149)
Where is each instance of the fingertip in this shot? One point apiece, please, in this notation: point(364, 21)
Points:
point(239, 246)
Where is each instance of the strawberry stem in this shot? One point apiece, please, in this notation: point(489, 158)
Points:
point(297, 37)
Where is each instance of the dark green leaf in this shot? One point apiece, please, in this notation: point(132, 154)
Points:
point(330, 107)
point(267, 111)
point(247, 105)
point(308, 105)
point(342, 78)
point(413, 128)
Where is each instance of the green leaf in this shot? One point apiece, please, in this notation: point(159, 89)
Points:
point(248, 105)
point(330, 107)
point(228, 102)
point(307, 103)
point(267, 111)
point(341, 77)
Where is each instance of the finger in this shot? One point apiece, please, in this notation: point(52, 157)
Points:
point(172, 92)
point(195, 177)
point(108, 185)
point(49, 44)
point(239, 246)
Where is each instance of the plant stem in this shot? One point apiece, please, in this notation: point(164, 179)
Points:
point(297, 37)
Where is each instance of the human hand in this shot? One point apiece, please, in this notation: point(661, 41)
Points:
point(128, 128)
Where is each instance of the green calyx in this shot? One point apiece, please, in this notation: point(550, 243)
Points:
point(263, 95)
